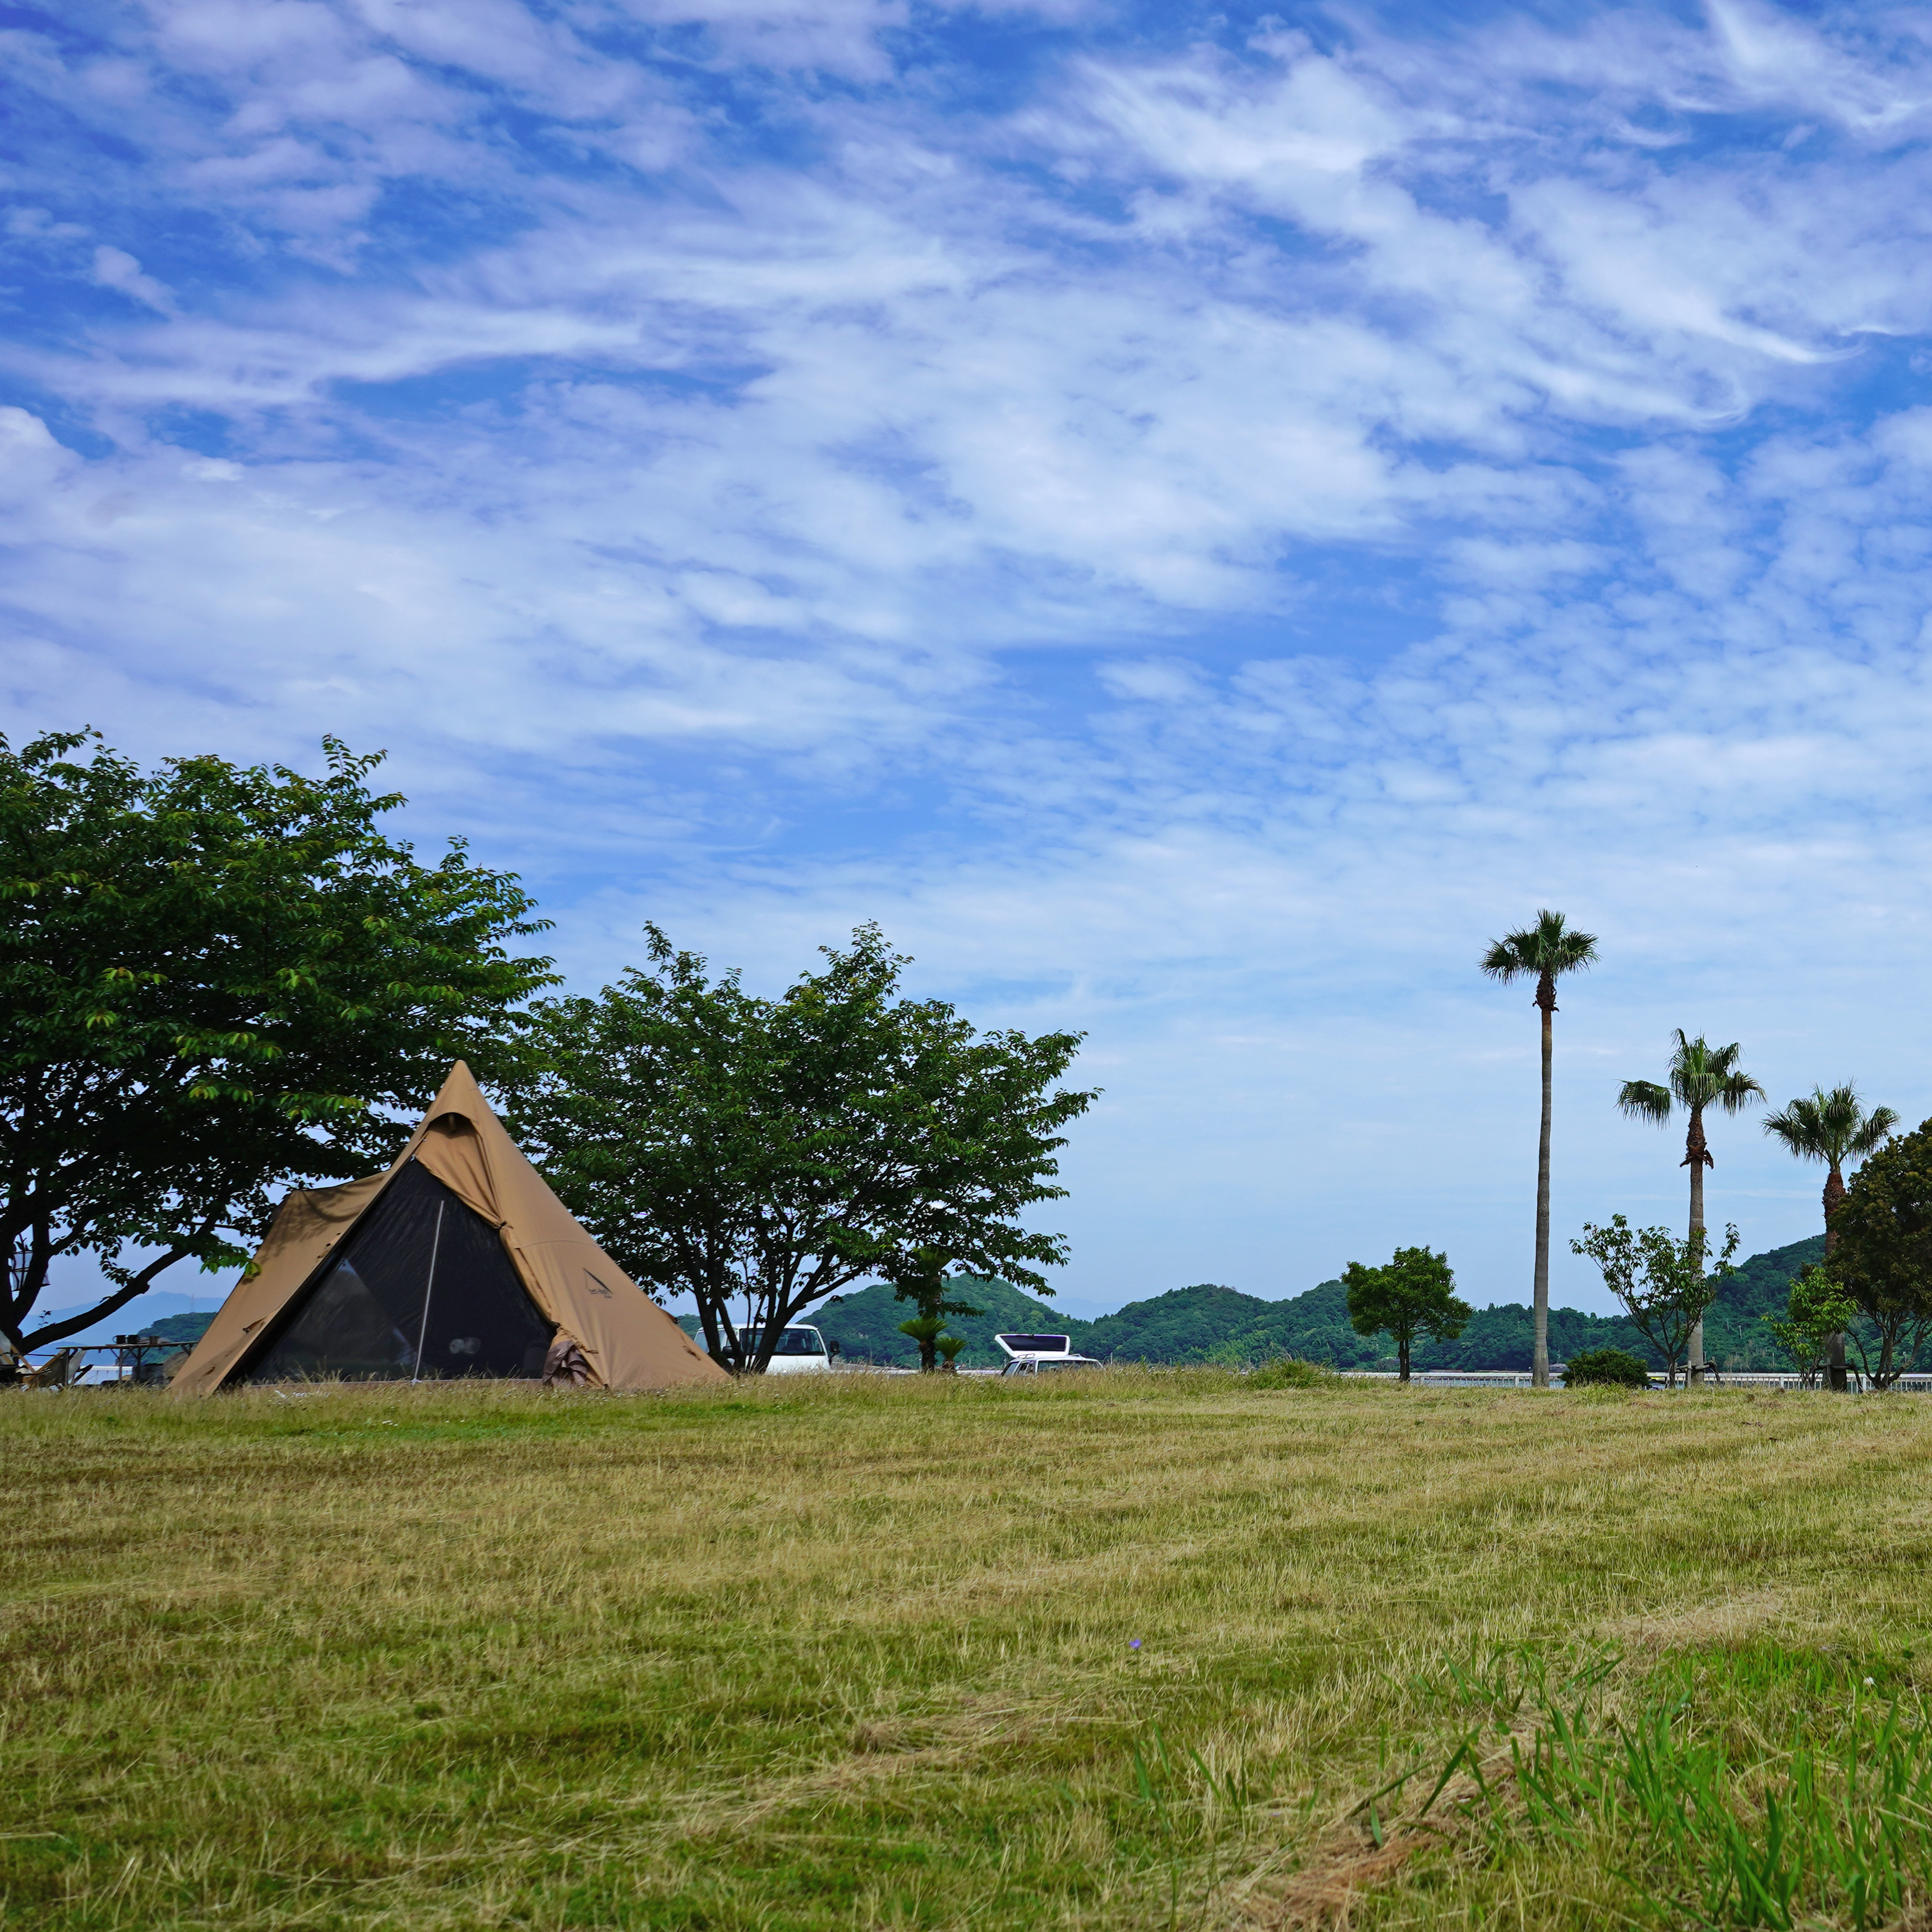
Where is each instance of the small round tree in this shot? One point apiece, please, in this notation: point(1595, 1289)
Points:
point(1415, 1294)
point(1605, 1368)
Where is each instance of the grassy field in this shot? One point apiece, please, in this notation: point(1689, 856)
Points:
point(1131, 1649)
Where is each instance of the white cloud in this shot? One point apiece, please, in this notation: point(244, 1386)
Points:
point(1459, 456)
point(115, 268)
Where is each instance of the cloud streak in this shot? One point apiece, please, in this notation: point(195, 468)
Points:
point(1196, 522)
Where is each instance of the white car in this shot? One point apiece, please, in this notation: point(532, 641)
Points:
point(801, 1351)
point(1030, 1355)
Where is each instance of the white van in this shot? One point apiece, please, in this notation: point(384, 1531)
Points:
point(1031, 1355)
point(801, 1351)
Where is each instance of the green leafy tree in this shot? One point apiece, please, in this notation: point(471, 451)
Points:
point(1414, 1295)
point(1817, 1313)
point(1832, 1127)
point(949, 1346)
point(1882, 1257)
point(646, 1114)
point(1701, 1076)
point(1544, 953)
point(1659, 1280)
point(216, 979)
point(763, 1154)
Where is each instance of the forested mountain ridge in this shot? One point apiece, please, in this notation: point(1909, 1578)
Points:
point(1211, 1322)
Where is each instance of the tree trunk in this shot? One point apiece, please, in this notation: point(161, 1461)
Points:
point(1402, 1356)
point(1696, 1157)
point(1835, 1376)
point(1539, 1360)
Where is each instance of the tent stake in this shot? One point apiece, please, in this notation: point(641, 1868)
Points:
point(429, 1288)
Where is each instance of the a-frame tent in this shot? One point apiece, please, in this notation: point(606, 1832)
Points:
point(459, 1261)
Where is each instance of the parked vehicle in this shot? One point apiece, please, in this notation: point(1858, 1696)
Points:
point(801, 1351)
point(1032, 1355)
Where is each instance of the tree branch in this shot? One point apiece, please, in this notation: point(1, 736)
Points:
point(58, 1331)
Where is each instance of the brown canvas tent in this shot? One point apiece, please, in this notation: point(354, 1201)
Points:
point(459, 1261)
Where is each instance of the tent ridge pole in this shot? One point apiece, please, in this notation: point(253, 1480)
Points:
point(429, 1288)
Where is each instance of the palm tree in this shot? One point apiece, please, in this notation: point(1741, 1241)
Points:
point(1834, 1127)
point(1543, 952)
point(1701, 1075)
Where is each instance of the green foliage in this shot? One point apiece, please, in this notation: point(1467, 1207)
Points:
point(215, 980)
point(1815, 1310)
point(1833, 1126)
point(1414, 1295)
point(949, 1346)
point(762, 1155)
point(188, 1328)
point(1882, 1255)
point(1287, 1372)
point(920, 1278)
point(1542, 952)
point(1203, 1323)
point(1659, 1280)
point(1735, 1335)
point(1608, 1367)
point(925, 1329)
point(1826, 1821)
point(1700, 1075)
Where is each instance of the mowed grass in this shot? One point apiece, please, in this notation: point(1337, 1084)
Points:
point(858, 1652)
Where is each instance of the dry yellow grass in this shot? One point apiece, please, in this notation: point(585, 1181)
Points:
point(856, 1651)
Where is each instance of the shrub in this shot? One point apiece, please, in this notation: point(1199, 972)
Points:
point(1289, 1372)
point(1616, 1368)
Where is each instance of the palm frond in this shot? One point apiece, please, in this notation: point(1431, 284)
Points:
point(1799, 1126)
point(1737, 1092)
point(1550, 946)
point(1645, 1100)
point(1831, 1124)
point(1508, 958)
point(1704, 1075)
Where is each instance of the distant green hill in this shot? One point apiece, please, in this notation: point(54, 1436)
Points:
point(1216, 1324)
point(1210, 1322)
point(1734, 1332)
point(188, 1328)
point(1202, 1324)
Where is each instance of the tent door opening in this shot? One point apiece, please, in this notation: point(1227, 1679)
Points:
point(421, 1290)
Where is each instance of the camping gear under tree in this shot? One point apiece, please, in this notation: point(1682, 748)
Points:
point(457, 1262)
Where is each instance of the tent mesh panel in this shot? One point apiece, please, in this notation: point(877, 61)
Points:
point(362, 1317)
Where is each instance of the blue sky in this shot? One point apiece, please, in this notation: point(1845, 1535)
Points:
point(1195, 521)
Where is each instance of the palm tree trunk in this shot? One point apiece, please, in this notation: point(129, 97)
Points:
point(1835, 1377)
point(1696, 1155)
point(1539, 1360)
